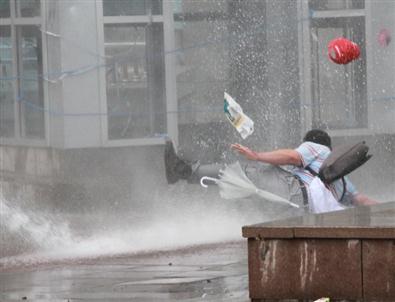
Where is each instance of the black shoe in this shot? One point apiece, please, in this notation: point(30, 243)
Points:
point(176, 168)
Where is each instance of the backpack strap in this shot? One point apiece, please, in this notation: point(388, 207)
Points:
point(308, 168)
point(303, 189)
point(344, 189)
point(311, 170)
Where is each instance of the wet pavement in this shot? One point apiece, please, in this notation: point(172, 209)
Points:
point(216, 272)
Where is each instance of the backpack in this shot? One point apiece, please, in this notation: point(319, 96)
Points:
point(343, 160)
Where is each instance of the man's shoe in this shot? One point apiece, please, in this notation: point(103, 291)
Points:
point(176, 168)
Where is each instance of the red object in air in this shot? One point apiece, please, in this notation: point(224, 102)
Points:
point(343, 51)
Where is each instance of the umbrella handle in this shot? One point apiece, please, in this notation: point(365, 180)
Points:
point(215, 180)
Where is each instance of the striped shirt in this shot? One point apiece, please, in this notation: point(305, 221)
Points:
point(313, 155)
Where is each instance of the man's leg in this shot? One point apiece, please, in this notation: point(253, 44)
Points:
point(177, 168)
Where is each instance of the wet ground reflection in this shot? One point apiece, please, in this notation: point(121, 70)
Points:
point(210, 272)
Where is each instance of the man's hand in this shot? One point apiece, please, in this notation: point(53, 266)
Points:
point(362, 200)
point(245, 151)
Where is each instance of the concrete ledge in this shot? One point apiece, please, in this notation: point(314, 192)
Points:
point(348, 255)
point(360, 222)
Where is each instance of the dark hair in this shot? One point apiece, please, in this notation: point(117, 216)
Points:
point(319, 137)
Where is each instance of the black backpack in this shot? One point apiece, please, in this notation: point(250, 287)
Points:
point(343, 160)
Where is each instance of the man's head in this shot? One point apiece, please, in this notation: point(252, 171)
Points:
point(319, 137)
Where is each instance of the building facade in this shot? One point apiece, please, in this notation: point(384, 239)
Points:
point(89, 89)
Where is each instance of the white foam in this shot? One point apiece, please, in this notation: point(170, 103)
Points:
point(54, 240)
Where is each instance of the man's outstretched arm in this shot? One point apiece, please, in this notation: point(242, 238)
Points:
point(276, 157)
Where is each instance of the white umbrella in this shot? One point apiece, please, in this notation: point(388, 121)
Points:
point(233, 183)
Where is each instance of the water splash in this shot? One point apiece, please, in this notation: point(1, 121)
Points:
point(39, 229)
point(36, 237)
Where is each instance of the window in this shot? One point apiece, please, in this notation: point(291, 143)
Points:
point(203, 63)
point(336, 95)
point(133, 43)
point(28, 8)
point(131, 7)
point(7, 119)
point(336, 4)
point(5, 8)
point(338, 91)
point(21, 68)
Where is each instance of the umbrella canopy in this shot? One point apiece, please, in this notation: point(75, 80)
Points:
point(233, 184)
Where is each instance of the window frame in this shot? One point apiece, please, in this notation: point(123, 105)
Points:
point(13, 21)
point(305, 64)
point(169, 74)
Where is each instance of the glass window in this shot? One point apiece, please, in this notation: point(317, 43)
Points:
point(202, 62)
point(131, 7)
point(7, 114)
point(29, 51)
point(4, 8)
point(336, 4)
point(338, 91)
point(134, 80)
point(28, 8)
point(21, 69)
